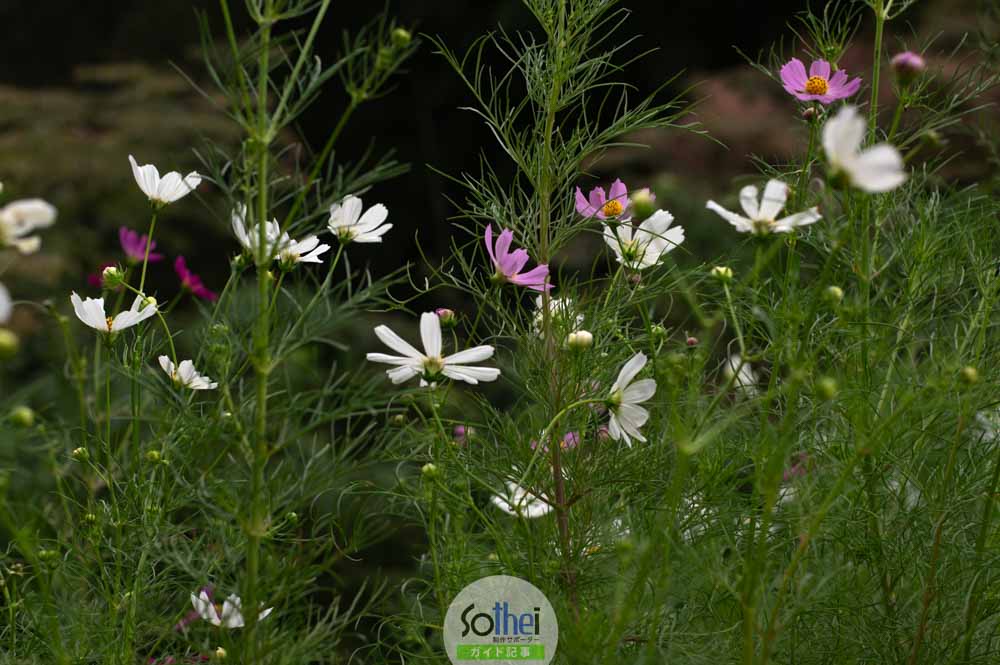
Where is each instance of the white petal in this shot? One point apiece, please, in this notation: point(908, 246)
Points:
point(389, 360)
point(401, 374)
point(474, 355)
point(741, 223)
point(430, 334)
point(639, 391)
point(90, 311)
point(396, 343)
point(775, 196)
point(167, 365)
point(372, 218)
point(842, 135)
point(471, 375)
point(748, 201)
point(878, 169)
point(232, 616)
point(205, 609)
point(6, 305)
point(804, 218)
point(628, 371)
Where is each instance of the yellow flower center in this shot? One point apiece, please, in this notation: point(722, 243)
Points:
point(613, 208)
point(817, 85)
point(109, 321)
point(433, 366)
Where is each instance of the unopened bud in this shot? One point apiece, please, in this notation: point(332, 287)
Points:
point(112, 277)
point(969, 375)
point(833, 294)
point(429, 470)
point(80, 454)
point(292, 517)
point(22, 416)
point(810, 114)
point(401, 38)
point(692, 341)
point(643, 203)
point(722, 273)
point(826, 387)
point(398, 420)
point(9, 344)
point(658, 333)
point(219, 654)
point(907, 66)
point(154, 456)
point(446, 317)
point(579, 340)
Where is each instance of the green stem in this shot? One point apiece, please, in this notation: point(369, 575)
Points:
point(145, 259)
point(880, 16)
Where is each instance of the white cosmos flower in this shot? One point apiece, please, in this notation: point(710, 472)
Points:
point(248, 237)
point(520, 502)
point(741, 374)
point(623, 403)
point(761, 214)
point(430, 365)
point(6, 304)
point(20, 218)
point(304, 251)
point(644, 247)
point(91, 311)
point(186, 375)
point(876, 169)
point(349, 225)
point(169, 188)
point(230, 615)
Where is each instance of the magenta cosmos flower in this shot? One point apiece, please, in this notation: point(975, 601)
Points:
point(134, 246)
point(508, 264)
point(191, 282)
point(603, 205)
point(818, 85)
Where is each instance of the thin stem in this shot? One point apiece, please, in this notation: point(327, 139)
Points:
point(880, 16)
point(145, 258)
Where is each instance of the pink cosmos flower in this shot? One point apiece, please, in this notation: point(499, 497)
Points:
point(603, 205)
point(134, 246)
point(570, 441)
point(192, 282)
point(818, 85)
point(508, 264)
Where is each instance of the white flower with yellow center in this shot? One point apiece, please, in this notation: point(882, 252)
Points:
point(169, 188)
point(91, 312)
point(349, 225)
point(186, 375)
point(19, 218)
point(873, 170)
point(641, 248)
point(520, 502)
point(229, 615)
point(762, 213)
point(623, 402)
point(430, 365)
point(302, 251)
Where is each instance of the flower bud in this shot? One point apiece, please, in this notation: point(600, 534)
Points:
point(810, 114)
point(969, 375)
point(658, 333)
point(219, 654)
point(90, 519)
point(401, 38)
point(447, 317)
point(692, 341)
point(907, 66)
point(398, 420)
point(48, 555)
point(80, 454)
point(833, 294)
point(112, 277)
point(148, 301)
point(9, 344)
point(153, 456)
point(429, 470)
point(643, 203)
point(580, 340)
point(22, 416)
point(722, 273)
point(826, 387)
point(292, 517)
point(383, 59)
point(461, 434)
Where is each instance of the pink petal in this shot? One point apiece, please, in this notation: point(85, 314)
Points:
point(489, 243)
point(597, 198)
point(515, 262)
point(619, 191)
point(503, 245)
point(820, 68)
point(793, 74)
point(583, 206)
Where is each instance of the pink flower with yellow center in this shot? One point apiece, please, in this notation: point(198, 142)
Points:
point(509, 264)
point(818, 85)
point(603, 205)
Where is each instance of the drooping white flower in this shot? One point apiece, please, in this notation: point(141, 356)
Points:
point(186, 375)
point(249, 236)
point(623, 402)
point(303, 251)
point(6, 304)
point(761, 214)
point(169, 188)
point(91, 311)
point(520, 502)
point(561, 311)
point(875, 169)
point(741, 374)
point(430, 365)
point(349, 225)
point(20, 218)
point(642, 248)
point(230, 615)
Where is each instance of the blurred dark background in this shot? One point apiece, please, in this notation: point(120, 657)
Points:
point(85, 84)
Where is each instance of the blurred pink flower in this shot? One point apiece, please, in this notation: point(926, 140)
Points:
point(134, 246)
point(570, 441)
point(96, 279)
point(818, 85)
point(192, 282)
point(508, 264)
point(603, 205)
